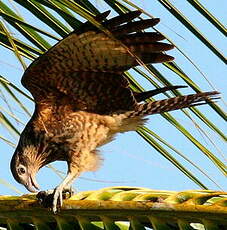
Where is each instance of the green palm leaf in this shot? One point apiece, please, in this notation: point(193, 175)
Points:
point(120, 208)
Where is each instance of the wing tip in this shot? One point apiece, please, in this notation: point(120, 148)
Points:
point(135, 13)
point(100, 17)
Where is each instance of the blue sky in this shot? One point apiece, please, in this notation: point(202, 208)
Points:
point(129, 160)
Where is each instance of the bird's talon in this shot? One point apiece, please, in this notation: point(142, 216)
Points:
point(57, 199)
point(52, 198)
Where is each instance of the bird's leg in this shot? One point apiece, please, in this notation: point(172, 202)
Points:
point(73, 172)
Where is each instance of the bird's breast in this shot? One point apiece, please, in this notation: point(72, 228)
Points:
point(89, 130)
point(83, 130)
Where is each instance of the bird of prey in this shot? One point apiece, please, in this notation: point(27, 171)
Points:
point(83, 99)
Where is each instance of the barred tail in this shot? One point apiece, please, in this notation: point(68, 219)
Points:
point(175, 103)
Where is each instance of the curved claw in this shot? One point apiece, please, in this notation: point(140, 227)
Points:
point(54, 198)
point(59, 195)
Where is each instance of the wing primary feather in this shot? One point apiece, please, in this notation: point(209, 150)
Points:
point(89, 26)
point(145, 95)
point(148, 37)
point(135, 26)
point(153, 58)
point(102, 16)
point(121, 19)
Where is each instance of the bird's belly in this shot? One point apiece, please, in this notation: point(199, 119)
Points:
point(95, 135)
point(91, 130)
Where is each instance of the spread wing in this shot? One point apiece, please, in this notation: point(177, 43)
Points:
point(87, 66)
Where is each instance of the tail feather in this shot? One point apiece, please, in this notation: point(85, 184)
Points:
point(170, 104)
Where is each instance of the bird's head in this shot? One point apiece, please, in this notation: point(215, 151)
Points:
point(24, 166)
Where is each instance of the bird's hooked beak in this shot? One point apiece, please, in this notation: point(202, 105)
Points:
point(32, 184)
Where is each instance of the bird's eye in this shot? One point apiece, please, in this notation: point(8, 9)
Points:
point(21, 170)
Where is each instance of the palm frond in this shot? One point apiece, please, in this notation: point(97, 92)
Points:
point(120, 208)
